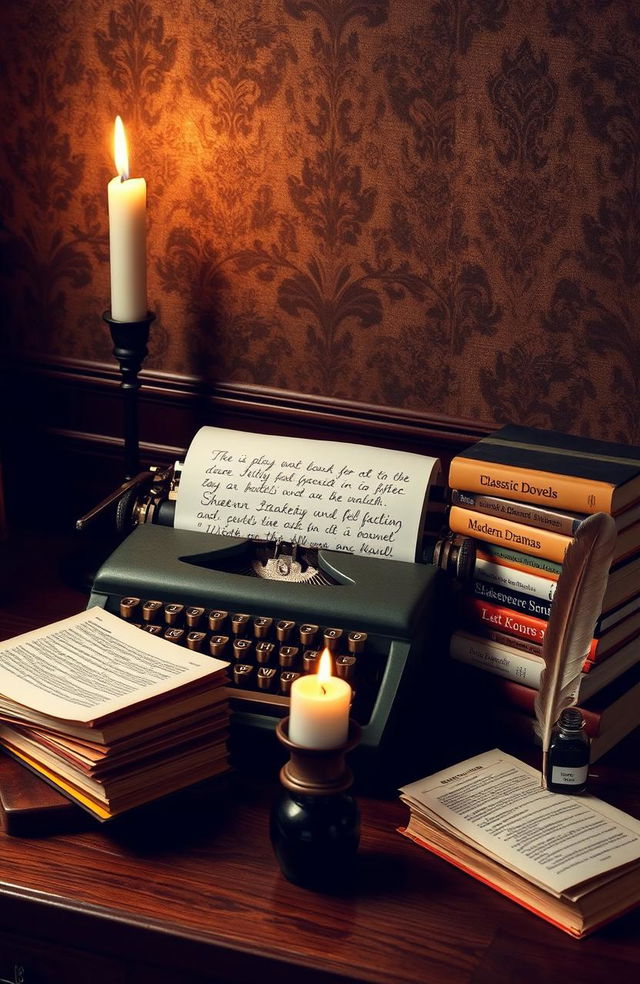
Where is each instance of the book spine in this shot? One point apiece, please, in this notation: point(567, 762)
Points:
point(539, 566)
point(493, 618)
point(523, 645)
point(527, 539)
point(505, 620)
point(521, 512)
point(495, 658)
point(528, 485)
point(527, 604)
point(514, 580)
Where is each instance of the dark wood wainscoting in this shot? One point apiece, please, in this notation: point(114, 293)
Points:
point(63, 444)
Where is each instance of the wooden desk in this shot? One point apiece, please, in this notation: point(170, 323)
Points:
point(192, 892)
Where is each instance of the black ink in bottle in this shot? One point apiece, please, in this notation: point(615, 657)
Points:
point(568, 756)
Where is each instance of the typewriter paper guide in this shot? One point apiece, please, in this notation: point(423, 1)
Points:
point(325, 494)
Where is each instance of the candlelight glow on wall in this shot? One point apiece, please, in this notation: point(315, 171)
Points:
point(127, 236)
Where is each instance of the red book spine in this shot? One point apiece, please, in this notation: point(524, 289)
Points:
point(488, 616)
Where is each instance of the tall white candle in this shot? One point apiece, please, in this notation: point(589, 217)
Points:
point(127, 237)
point(319, 710)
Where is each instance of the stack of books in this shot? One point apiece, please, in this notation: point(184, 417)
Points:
point(521, 494)
point(112, 717)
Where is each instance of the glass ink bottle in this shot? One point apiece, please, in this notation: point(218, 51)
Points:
point(568, 756)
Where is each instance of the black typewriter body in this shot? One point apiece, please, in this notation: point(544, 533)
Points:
point(384, 622)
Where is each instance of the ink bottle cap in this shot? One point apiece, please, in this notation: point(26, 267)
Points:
point(568, 756)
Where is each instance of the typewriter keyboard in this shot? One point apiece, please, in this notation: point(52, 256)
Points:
point(265, 654)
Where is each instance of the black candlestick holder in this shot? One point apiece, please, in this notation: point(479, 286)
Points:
point(315, 822)
point(130, 349)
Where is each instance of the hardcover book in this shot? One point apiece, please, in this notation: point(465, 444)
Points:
point(113, 717)
point(486, 616)
point(553, 469)
point(490, 818)
point(531, 539)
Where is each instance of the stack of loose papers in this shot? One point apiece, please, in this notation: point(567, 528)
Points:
point(573, 860)
point(111, 716)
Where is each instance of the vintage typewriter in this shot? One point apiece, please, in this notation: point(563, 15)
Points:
point(271, 608)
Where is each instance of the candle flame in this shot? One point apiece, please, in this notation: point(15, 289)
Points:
point(120, 150)
point(325, 668)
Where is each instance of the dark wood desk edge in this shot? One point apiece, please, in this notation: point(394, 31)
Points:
point(101, 931)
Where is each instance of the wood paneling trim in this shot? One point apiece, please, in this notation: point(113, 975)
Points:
point(241, 405)
point(68, 424)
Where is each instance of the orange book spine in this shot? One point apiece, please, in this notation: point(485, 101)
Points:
point(526, 485)
point(517, 536)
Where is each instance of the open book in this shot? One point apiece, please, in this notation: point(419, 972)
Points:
point(572, 860)
point(111, 716)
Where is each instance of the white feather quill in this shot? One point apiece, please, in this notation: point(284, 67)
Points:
point(577, 603)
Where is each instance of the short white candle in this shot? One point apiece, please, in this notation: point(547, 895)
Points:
point(319, 711)
point(127, 237)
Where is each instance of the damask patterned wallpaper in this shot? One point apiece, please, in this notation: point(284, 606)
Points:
point(426, 204)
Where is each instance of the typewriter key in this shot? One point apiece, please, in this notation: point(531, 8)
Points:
point(217, 644)
point(286, 679)
point(239, 624)
point(216, 619)
point(287, 655)
point(242, 673)
point(241, 648)
point(310, 660)
point(195, 640)
point(307, 633)
point(128, 607)
point(332, 638)
point(346, 667)
point(263, 651)
point(150, 610)
point(356, 641)
point(261, 626)
point(284, 628)
point(173, 634)
point(193, 615)
point(172, 613)
point(266, 677)
point(153, 629)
